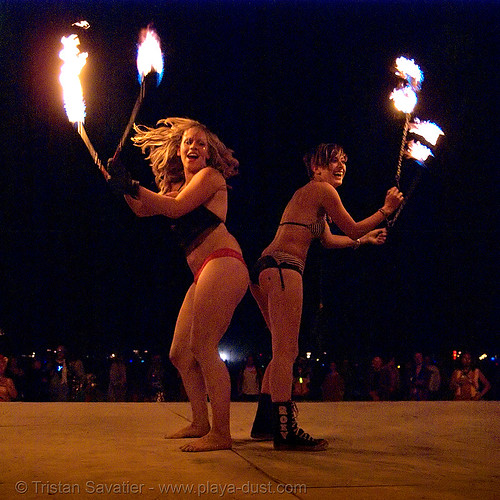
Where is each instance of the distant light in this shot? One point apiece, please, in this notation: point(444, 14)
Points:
point(112, 355)
point(399, 367)
point(317, 359)
point(493, 358)
point(483, 356)
point(308, 355)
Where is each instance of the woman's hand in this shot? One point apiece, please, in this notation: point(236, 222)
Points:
point(375, 237)
point(393, 199)
point(120, 180)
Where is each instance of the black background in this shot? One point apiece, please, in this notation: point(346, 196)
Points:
point(272, 79)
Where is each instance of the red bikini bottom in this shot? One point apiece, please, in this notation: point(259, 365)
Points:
point(222, 252)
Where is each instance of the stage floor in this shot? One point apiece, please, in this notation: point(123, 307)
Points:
point(401, 450)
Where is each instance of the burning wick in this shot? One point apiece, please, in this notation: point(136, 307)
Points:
point(149, 59)
point(82, 24)
point(73, 63)
point(418, 152)
point(405, 99)
point(428, 130)
point(149, 55)
point(409, 71)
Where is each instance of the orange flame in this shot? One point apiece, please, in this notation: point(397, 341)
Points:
point(74, 61)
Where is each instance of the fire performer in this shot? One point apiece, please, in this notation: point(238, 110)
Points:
point(276, 284)
point(191, 166)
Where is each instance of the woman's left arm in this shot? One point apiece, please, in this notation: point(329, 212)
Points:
point(330, 240)
point(203, 185)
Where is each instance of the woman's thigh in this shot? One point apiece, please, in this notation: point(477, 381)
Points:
point(220, 288)
point(284, 306)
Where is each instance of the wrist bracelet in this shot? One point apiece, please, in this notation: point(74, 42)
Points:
point(383, 212)
point(356, 244)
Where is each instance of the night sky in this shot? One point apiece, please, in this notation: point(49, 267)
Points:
point(272, 79)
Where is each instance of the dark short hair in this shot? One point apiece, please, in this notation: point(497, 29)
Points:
point(322, 156)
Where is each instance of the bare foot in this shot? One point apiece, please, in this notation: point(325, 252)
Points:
point(190, 431)
point(210, 442)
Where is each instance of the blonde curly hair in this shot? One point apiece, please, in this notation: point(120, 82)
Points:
point(162, 142)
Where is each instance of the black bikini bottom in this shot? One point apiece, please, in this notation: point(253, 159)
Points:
point(279, 260)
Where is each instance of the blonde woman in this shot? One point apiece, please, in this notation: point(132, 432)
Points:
point(191, 166)
point(277, 284)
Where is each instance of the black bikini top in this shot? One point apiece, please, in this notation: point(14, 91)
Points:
point(192, 228)
point(317, 228)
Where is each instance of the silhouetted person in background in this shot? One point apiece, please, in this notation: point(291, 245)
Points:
point(249, 381)
point(418, 377)
point(59, 376)
point(375, 379)
point(333, 387)
point(156, 379)
point(117, 388)
point(8, 390)
point(468, 382)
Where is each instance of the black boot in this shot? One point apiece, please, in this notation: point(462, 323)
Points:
point(262, 429)
point(287, 435)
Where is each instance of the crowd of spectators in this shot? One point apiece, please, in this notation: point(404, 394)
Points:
point(142, 376)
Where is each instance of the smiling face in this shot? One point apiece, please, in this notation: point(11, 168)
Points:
point(327, 163)
point(333, 174)
point(336, 171)
point(194, 150)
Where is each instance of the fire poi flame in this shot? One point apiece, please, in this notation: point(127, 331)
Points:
point(82, 24)
point(418, 151)
point(427, 130)
point(74, 61)
point(149, 55)
point(409, 71)
point(405, 99)
point(149, 59)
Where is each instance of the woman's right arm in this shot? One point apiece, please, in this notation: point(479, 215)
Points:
point(142, 209)
point(332, 203)
point(203, 185)
point(138, 207)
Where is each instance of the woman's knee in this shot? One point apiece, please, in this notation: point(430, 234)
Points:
point(203, 351)
point(286, 355)
point(181, 358)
